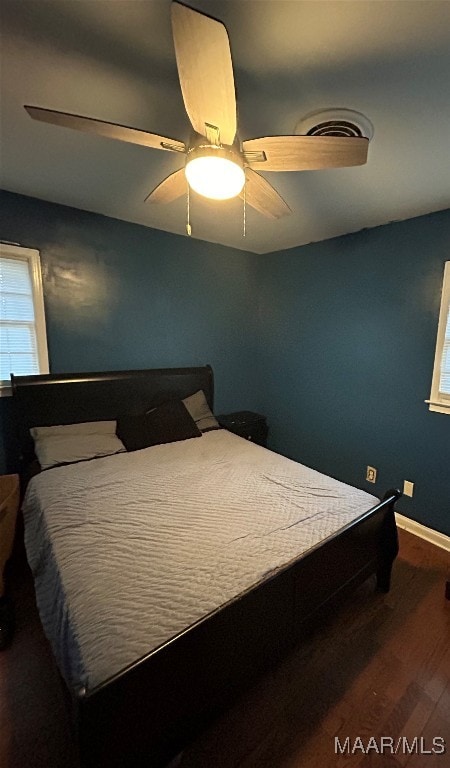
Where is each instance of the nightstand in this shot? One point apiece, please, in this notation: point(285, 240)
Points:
point(251, 426)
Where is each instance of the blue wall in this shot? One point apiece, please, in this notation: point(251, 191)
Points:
point(119, 295)
point(334, 341)
point(347, 338)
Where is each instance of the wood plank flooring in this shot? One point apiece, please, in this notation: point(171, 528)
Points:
point(379, 665)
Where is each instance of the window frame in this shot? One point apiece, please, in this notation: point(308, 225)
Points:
point(440, 402)
point(32, 257)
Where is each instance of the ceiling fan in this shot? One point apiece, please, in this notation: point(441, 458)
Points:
point(217, 164)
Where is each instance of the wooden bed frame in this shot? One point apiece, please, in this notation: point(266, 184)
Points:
point(149, 711)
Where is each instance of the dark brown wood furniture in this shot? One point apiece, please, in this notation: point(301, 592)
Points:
point(149, 711)
point(9, 505)
point(247, 424)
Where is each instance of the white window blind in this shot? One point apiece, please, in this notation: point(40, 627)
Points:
point(23, 343)
point(440, 387)
point(444, 384)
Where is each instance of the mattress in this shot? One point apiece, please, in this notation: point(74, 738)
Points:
point(129, 550)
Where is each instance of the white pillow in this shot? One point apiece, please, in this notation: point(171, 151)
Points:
point(199, 410)
point(85, 428)
point(70, 443)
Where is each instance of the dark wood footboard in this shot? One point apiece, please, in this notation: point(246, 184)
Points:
point(151, 710)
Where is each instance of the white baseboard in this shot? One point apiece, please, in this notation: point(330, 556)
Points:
point(434, 537)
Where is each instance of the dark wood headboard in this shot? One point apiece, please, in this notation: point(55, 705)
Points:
point(72, 398)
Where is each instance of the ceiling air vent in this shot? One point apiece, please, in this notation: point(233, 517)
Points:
point(335, 128)
point(334, 122)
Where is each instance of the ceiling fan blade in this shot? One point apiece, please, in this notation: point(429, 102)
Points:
point(263, 197)
point(306, 153)
point(205, 69)
point(170, 189)
point(101, 128)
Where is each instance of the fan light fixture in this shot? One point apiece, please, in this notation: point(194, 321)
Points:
point(216, 163)
point(215, 172)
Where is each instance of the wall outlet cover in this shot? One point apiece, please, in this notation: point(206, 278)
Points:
point(371, 474)
point(408, 488)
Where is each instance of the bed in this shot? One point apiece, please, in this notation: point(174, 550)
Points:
point(168, 579)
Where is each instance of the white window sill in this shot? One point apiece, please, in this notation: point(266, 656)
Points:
point(438, 407)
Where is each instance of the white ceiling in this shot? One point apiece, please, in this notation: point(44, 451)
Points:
point(114, 60)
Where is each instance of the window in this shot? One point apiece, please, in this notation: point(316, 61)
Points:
point(23, 338)
point(440, 388)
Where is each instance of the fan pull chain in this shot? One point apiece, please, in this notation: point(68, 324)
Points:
point(245, 201)
point(188, 213)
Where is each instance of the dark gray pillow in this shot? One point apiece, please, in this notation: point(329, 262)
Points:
point(168, 423)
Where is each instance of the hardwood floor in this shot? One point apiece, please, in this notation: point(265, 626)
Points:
point(378, 666)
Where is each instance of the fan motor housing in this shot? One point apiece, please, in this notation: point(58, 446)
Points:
point(211, 150)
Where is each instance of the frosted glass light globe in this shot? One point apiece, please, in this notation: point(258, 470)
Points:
point(214, 176)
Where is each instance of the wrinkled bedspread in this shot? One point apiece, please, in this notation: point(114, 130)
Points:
point(129, 550)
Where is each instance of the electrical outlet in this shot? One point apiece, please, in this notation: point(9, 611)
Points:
point(408, 488)
point(371, 475)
